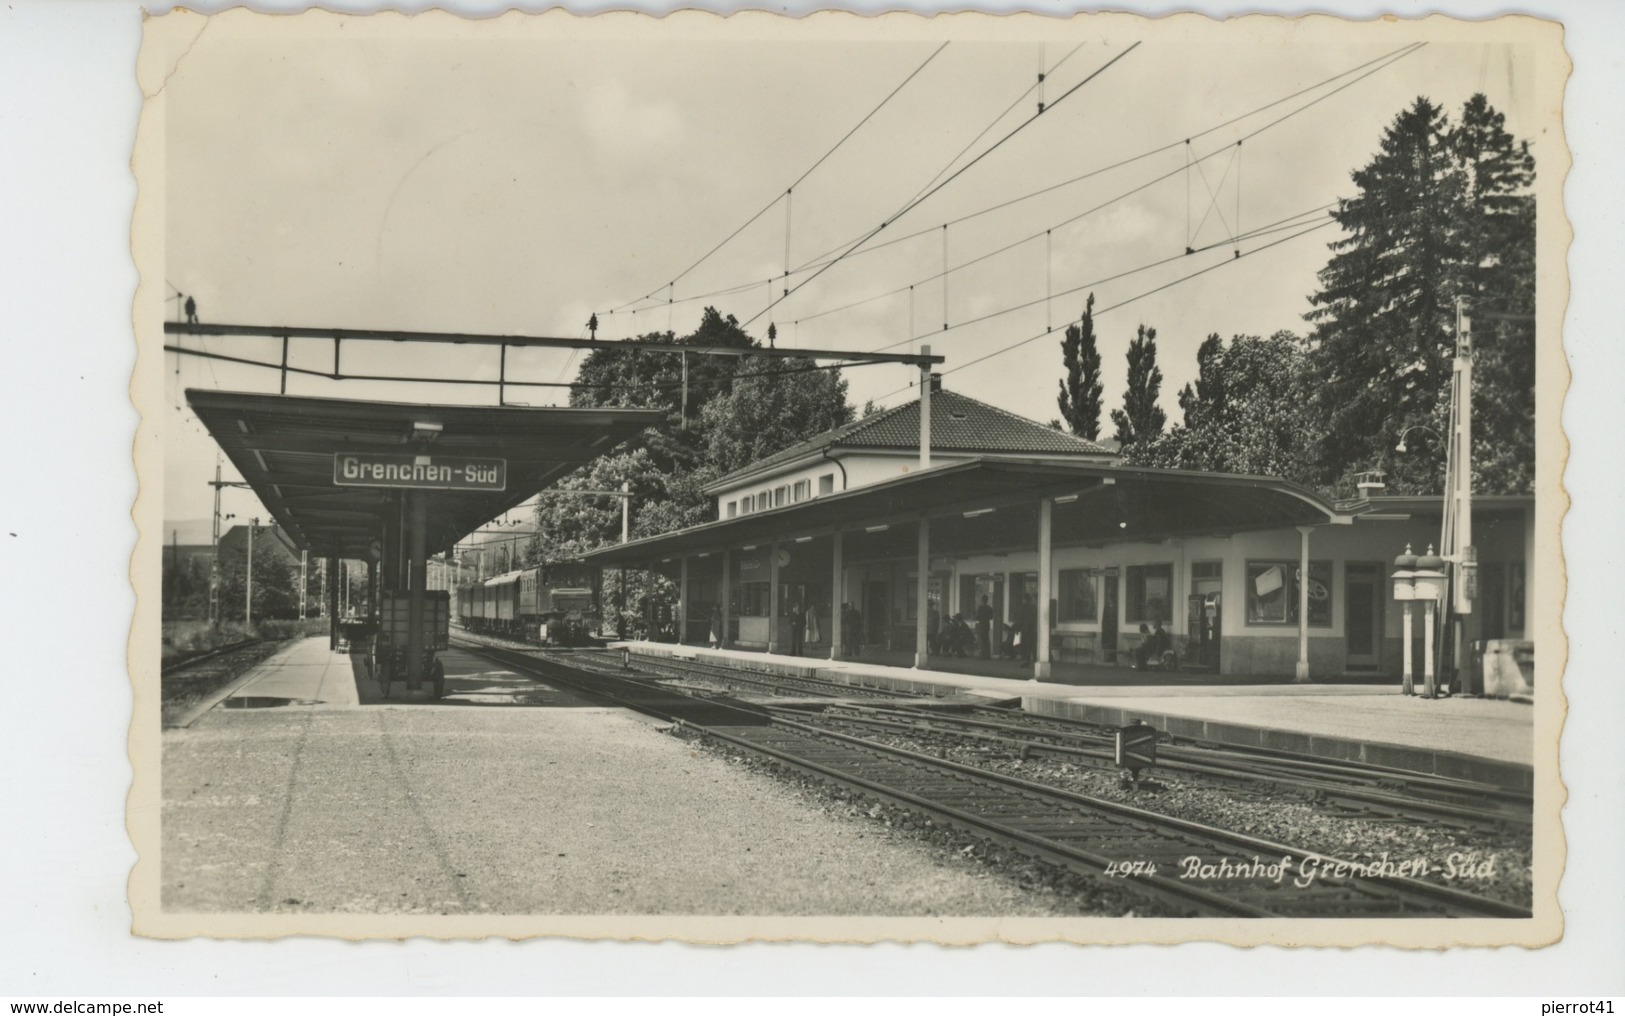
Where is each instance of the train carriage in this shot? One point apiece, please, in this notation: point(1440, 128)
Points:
point(551, 604)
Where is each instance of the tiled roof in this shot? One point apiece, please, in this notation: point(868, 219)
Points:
point(959, 423)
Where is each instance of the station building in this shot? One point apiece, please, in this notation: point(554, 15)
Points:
point(1006, 509)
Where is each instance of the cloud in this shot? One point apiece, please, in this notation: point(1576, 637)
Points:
point(621, 124)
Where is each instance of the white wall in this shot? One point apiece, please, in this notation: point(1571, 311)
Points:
point(860, 469)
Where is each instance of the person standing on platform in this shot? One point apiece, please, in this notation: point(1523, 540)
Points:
point(798, 624)
point(1029, 629)
point(984, 629)
point(716, 626)
point(933, 629)
point(813, 634)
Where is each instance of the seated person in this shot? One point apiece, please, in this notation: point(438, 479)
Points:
point(958, 639)
point(1155, 643)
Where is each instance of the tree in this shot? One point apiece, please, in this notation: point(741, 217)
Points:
point(771, 406)
point(740, 409)
point(1205, 400)
point(276, 584)
point(1500, 228)
point(1246, 413)
point(1141, 419)
point(1079, 400)
point(1441, 212)
point(654, 380)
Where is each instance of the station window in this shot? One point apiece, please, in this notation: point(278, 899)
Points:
point(764, 500)
point(826, 484)
point(1076, 599)
point(781, 496)
point(1147, 593)
point(733, 509)
point(803, 490)
point(1272, 593)
point(752, 599)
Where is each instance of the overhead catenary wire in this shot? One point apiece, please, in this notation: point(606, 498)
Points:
point(1229, 146)
point(1121, 303)
point(820, 259)
point(809, 171)
point(1281, 225)
point(916, 202)
point(827, 258)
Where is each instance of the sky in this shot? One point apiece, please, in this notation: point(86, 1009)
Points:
point(394, 174)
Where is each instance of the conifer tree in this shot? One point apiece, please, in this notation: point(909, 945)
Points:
point(1141, 419)
point(1441, 212)
point(1080, 397)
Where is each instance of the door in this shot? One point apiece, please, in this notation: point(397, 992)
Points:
point(876, 613)
point(1362, 622)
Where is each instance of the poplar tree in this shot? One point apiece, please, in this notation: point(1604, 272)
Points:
point(1141, 419)
point(1080, 396)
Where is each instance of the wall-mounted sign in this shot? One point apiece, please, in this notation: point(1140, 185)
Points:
point(428, 472)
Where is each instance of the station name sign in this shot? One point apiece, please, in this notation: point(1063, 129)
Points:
point(427, 472)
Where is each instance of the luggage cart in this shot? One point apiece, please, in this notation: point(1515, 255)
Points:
point(389, 647)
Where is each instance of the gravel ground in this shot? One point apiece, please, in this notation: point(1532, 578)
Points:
point(1268, 812)
point(449, 809)
point(1068, 893)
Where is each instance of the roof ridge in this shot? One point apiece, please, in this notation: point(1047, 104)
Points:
point(1016, 416)
point(827, 438)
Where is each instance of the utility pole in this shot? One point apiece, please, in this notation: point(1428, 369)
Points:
point(248, 579)
point(214, 569)
point(214, 554)
point(304, 563)
point(1466, 557)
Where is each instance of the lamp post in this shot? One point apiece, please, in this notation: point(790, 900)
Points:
point(1405, 593)
point(1401, 448)
point(1430, 586)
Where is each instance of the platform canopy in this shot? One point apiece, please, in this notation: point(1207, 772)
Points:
point(285, 448)
point(1097, 503)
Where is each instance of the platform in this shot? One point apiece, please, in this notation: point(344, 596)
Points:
point(331, 803)
point(1470, 738)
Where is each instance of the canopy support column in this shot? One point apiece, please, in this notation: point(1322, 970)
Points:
point(837, 603)
point(417, 576)
point(773, 597)
point(922, 585)
point(650, 632)
point(1041, 653)
point(1302, 672)
point(727, 597)
point(333, 601)
point(682, 600)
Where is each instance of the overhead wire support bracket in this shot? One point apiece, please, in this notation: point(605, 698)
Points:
point(337, 335)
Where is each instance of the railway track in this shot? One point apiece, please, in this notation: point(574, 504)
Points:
point(1353, 789)
point(184, 662)
point(1189, 867)
point(1356, 791)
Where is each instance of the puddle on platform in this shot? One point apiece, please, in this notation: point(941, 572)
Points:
point(267, 702)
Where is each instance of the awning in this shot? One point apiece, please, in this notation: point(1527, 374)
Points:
point(284, 447)
point(1096, 504)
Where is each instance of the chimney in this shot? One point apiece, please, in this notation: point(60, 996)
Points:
point(1371, 483)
